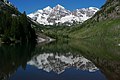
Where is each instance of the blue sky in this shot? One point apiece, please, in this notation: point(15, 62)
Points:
point(33, 5)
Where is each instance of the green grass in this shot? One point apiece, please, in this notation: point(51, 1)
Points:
point(107, 30)
point(56, 32)
point(91, 30)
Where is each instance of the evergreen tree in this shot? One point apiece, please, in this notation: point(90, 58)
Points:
point(16, 28)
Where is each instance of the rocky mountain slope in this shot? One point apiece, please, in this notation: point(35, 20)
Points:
point(110, 10)
point(104, 25)
point(60, 15)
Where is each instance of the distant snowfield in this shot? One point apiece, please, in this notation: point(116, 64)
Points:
point(60, 15)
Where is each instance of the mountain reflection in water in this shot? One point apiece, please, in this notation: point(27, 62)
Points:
point(59, 62)
point(69, 60)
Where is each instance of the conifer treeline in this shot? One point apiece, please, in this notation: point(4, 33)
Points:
point(15, 28)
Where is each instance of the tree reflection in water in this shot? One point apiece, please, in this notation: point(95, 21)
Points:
point(12, 57)
point(59, 56)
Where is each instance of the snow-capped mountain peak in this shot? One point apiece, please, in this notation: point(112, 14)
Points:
point(60, 10)
point(60, 15)
point(47, 8)
point(93, 8)
point(59, 7)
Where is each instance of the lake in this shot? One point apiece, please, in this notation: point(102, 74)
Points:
point(61, 60)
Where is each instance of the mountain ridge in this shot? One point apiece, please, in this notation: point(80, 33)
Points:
point(104, 25)
point(60, 15)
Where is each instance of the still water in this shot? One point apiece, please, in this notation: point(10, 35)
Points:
point(68, 60)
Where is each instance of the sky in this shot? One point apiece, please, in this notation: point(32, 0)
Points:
point(33, 5)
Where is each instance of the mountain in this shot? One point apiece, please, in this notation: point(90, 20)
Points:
point(60, 15)
point(58, 62)
point(104, 25)
point(14, 26)
point(110, 10)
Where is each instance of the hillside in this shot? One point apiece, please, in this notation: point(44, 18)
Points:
point(14, 26)
point(104, 25)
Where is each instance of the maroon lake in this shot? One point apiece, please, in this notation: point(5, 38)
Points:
point(69, 60)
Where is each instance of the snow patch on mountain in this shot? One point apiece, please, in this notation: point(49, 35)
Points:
point(60, 15)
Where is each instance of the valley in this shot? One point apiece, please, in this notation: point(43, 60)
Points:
point(55, 43)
